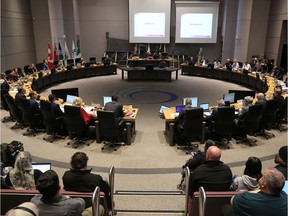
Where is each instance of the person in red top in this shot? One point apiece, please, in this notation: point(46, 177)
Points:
point(87, 117)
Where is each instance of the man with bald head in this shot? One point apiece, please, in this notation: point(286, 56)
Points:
point(213, 175)
point(270, 199)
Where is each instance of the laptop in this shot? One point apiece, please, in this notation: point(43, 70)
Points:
point(70, 99)
point(106, 99)
point(204, 106)
point(43, 167)
point(162, 108)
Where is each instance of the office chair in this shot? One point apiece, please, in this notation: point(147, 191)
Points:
point(223, 125)
point(75, 126)
point(268, 118)
point(53, 125)
point(108, 129)
point(4, 106)
point(193, 127)
point(15, 112)
point(34, 120)
point(251, 124)
point(281, 116)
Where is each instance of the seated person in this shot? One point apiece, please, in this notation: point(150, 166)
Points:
point(239, 122)
point(23, 176)
point(24, 209)
point(268, 200)
point(60, 65)
point(211, 119)
point(79, 177)
point(87, 117)
point(51, 202)
point(281, 160)
point(217, 63)
point(32, 69)
point(274, 72)
point(34, 106)
point(14, 76)
point(258, 68)
point(106, 60)
point(116, 108)
point(252, 174)
point(191, 61)
point(203, 61)
point(148, 55)
point(20, 95)
point(261, 99)
point(45, 65)
point(213, 175)
point(228, 65)
point(235, 65)
point(246, 68)
point(82, 62)
point(163, 64)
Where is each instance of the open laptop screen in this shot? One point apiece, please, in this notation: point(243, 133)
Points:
point(106, 99)
point(229, 97)
point(162, 108)
point(179, 108)
point(43, 167)
point(204, 106)
point(193, 99)
point(70, 98)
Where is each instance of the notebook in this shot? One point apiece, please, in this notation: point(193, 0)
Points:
point(70, 99)
point(43, 167)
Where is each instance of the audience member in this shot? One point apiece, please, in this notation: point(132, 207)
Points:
point(116, 108)
point(281, 160)
point(213, 175)
point(51, 202)
point(252, 174)
point(24, 209)
point(87, 117)
point(269, 200)
point(79, 177)
point(23, 176)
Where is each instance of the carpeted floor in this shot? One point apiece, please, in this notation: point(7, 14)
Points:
point(149, 164)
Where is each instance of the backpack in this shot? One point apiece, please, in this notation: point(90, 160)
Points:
point(9, 152)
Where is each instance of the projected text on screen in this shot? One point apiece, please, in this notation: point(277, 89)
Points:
point(149, 25)
point(196, 25)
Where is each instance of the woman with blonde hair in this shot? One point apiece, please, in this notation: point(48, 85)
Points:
point(85, 116)
point(23, 176)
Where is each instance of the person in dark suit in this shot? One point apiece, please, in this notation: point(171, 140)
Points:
point(55, 107)
point(34, 105)
point(4, 90)
point(211, 119)
point(20, 95)
point(261, 99)
point(32, 69)
point(116, 108)
point(180, 119)
point(106, 60)
point(45, 65)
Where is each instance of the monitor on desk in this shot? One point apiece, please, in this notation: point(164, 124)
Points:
point(149, 67)
point(193, 99)
point(229, 97)
point(162, 108)
point(204, 106)
point(241, 94)
point(70, 99)
point(62, 93)
point(179, 108)
point(106, 99)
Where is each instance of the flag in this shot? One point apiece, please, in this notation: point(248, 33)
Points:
point(78, 51)
point(55, 52)
point(61, 55)
point(73, 50)
point(50, 59)
point(67, 54)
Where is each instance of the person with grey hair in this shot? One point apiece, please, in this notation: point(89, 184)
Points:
point(210, 122)
point(24, 209)
point(270, 199)
point(23, 176)
point(261, 99)
point(239, 122)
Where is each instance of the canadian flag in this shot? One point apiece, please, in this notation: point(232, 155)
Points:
point(50, 59)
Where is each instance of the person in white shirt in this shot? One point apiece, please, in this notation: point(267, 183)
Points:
point(235, 65)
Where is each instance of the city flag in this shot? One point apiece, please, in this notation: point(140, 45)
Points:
point(61, 55)
point(67, 54)
point(73, 50)
point(50, 59)
point(55, 52)
point(78, 51)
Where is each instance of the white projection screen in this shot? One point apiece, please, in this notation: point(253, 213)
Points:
point(149, 21)
point(196, 22)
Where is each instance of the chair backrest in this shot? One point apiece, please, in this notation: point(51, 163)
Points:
point(224, 120)
point(12, 198)
point(270, 110)
point(49, 119)
point(14, 109)
point(75, 123)
point(107, 124)
point(193, 122)
point(28, 115)
point(253, 117)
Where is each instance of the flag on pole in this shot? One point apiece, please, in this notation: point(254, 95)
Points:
point(78, 51)
point(67, 54)
point(50, 59)
point(61, 55)
point(55, 52)
point(73, 50)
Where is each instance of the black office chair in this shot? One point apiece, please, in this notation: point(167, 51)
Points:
point(268, 118)
point(75, 126)
point(251, 124)
point(4, 106)
point(53, 125)
point(34, 120)
point(281, 116)
point(223, 126)
point(194, 127)
point(15, 112)
point(108, 129)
